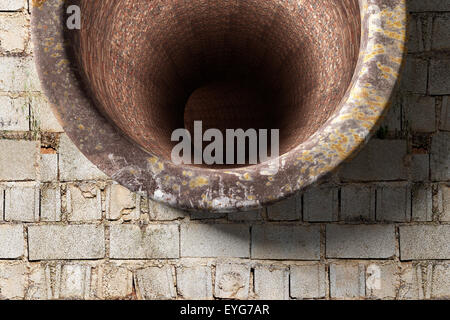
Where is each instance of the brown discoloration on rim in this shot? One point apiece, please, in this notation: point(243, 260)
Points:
point(346, 130)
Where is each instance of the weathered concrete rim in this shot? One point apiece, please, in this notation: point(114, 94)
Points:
point(350, 127)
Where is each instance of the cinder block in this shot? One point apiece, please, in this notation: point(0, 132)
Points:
point(159, 211)
point(215, 240)
point(12, 5)
point(360, 241)
point(122, 203)
point(83, 202)
point(411, 279)
point(75, 281)
point(22, 202)
point(439, 82)
point(415, 75)
point(440, 157)
point(422, 203)
point(194, 283)
point(441, 25)
point(129, 241)
point(286, 242)
point(18, 75)
point(444, 123)
point(308, 281)
point(440, 287)
point(420, 113)
point(73, 165)
point(12, 241)
point(420, 167)
point(253, 215)
point(43, 115)
point(415, 33)
point(357, 203)
point(445, 207)
point(321, 204)
point(286, 210)
point(49, 167)
point(232, 281)
point(18, 159)
point(114, 282)
point(382, 280)
point(66, 242)
point(347, 281)
point(393, 203)
point(380, 160)
point(425, 242)
point(429, 5)
point(14, 113)
point(50, 202)
point(271, 283)
point(14, 33)
point(13, 280)
point(155, 283)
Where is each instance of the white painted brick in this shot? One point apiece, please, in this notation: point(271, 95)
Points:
point(114, 282)
point(48, 167)
point(414, 77)
point(159, 211)
point(357, 203)
point(360, 241)
point(347, 281)
point(50, 202)
point(22, 202)
point(18, 75)
point(440, 156)
point(382, 280)
point(379, 160)
point(232, 281)
point(18, 159)
point(271, 283)
point(444, 123)
point(441, 281)
point(153, 241)
point(73, 165)
point(308, 281)
point(393, 203)
point(424, 242)
point(215, 240)
point(445, 210)
point(420, 167)
point(422, 203)
point(154, 283)
point(321, 204)
point(14, 33)
point(83, 202)
point(439, 82)
point(14, 113)
point(13, 280)
point(286, 210)
point(420, 113)
point(66, 242)
point(441, 26)
point(286, 242)
point(12, 5)
point(253, 215)
point(12, 241)
point(194, 283)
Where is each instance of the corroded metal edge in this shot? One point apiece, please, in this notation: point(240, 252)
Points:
point(350, 127)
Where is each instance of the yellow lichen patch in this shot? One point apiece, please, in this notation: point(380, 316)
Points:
point(176, 187)
point(38, 3)
point(378, 49)
point(188, 173)
point(387, 71)
point(198, 182)
point(251, 197)
point(246, 176)
point(81, 127)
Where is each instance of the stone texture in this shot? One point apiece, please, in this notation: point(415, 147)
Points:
point(382, 280)
point(215, 240)
point(17, 160)
point(411, 279)
point(444, 123)
point(321, 204)
point(347, 281)
point(18, 75)
point(155, 283)
point(75, 281)
point(420, 167)
point(421, 113)
point(414, 76)
point(441, 39)
point(440, 286)
point(13, 280)
point(232, 281)
point(379, 160)
point(73, 165)
point(308, 281)
point(14, 113)
point(66, 242)
point(83, 203)
point(194, 283)
point(114, 282)
point(415, 31)
point(286, 242)
point(440, 157)
point(429, 5)
point(22, 202)
point(393, 203)
point(14, 34)
point(360, 241)
point(253, 215)
point(50, 202)
point(439, 82)
point(286, 210)
point(425, 242)
point(271, 283)
point(12, 241)
point(43, 116)
point(422, 203)
point(129, 241)
point(160, 211)
point(357, 203)
point(121, 202)
point(48, 167)
point(445, 198)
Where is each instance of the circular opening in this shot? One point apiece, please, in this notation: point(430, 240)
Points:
point(156, 66)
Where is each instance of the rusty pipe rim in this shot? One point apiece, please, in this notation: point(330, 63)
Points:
point(383, 33)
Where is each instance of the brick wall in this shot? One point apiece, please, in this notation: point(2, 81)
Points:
point(378, 228)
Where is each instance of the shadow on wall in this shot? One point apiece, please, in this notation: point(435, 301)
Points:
point(388, 181)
